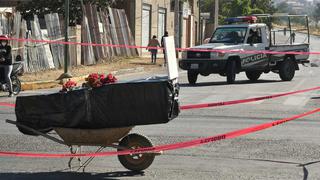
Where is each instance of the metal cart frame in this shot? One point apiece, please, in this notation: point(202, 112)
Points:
point(118, 138)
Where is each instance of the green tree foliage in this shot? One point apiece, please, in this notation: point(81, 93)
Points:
point(316, 14)
point(284, 8)
point(232, 8)
point(265, 6)
point(42, 7)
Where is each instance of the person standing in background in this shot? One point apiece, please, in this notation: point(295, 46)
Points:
point(6, 61)
point(154, 44)
point(166, 34)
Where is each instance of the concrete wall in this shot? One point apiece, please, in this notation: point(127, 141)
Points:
point(155, 5)
point(135, 20)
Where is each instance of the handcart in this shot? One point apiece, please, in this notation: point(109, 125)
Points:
point(104, 116)
point(118, 138)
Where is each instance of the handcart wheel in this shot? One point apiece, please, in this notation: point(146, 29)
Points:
point(136, 162)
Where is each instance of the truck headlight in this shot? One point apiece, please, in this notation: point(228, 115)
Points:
point(217, 55)
point(221, 54)
point(184, 55)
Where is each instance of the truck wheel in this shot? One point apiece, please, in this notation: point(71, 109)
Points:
point(231, 72)
point(253, 75)
point(287, 70)
point(192, 77)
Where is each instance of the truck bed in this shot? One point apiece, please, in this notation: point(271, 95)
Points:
point(297, 47)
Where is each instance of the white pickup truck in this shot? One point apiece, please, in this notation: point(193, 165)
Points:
point(247, 36)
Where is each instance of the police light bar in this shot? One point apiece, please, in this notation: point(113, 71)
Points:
point(248, 19)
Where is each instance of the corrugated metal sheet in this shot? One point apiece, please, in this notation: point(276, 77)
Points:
point(99, 27)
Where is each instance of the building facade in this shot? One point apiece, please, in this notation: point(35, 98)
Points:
point(154, 17)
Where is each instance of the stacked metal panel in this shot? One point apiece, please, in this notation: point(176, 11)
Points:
point(98, 27)
point(5, 22)
point(54, 33)
point(86, 51)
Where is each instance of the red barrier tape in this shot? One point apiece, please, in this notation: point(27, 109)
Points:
point(227, 103)
point(178, 49)
point(7, 104)
point(186, 144)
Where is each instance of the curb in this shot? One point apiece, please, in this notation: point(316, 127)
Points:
point(80, 79)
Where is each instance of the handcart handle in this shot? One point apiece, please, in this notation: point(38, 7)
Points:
point(36, 132)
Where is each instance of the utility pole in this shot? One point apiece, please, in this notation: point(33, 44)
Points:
point(216, 14)
point(177, 23)
point(66, 73)
point(200, 24)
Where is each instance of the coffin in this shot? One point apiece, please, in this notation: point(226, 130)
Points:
point(110, 106)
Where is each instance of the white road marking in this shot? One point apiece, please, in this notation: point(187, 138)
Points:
point(297, 86)
point(296, 101)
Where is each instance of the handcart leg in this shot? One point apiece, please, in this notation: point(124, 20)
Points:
point(74, 151)
point(79, 158)
point(89, 160)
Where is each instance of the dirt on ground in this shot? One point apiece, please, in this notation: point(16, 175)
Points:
point(107, 67)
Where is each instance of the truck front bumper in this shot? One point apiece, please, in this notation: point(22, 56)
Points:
point(203, 66)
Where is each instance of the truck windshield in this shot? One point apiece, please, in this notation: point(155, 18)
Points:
point(234, 35)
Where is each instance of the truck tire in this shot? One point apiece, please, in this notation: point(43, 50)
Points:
point(287, 70)
point(231, 71)
point(192, 77)
point(253, 75)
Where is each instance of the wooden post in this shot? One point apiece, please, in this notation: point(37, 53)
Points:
point(177, 22)
point(66, 73)
point(216, 14)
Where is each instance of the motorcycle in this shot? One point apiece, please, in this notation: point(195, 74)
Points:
point(16, 84)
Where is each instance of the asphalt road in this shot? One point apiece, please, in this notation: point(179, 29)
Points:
point(288, 151)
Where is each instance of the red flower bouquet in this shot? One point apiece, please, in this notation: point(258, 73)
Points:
point(97, 80)
point(68, 86)
point(109, 79)
point(94, 80)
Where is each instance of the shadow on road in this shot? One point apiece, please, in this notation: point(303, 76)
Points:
point(146, 64)
point(223, 83)
point(315, 97)
point(69, 175)
point(304, 168)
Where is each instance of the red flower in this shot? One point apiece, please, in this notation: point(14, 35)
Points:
point(110, 79)
point(97, 80)
point(68, 86)
point(102, 76)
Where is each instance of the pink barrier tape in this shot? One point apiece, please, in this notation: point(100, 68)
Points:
point(168, 147)
point(227, 103)
point(4, 104)
point(178, 49)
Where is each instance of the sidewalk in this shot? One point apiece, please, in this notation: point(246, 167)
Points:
point(47, 79)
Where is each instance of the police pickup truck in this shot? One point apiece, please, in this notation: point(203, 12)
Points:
point(245, 35)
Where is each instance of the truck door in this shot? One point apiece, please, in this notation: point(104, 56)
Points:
point(257, 41)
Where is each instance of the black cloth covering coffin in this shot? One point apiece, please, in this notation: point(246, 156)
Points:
point(110, 106)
